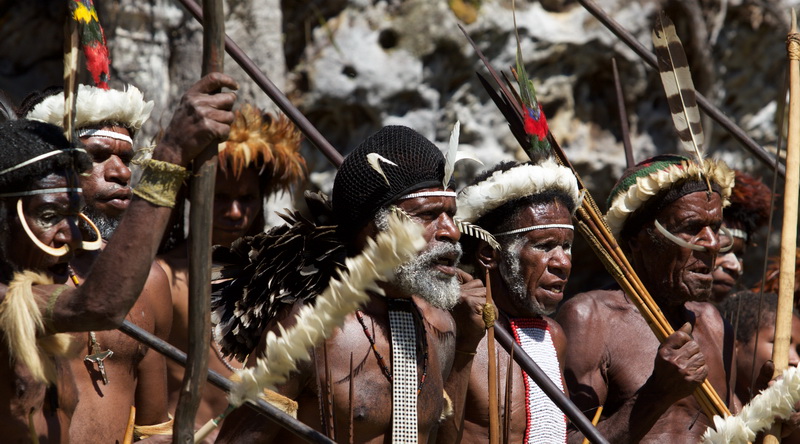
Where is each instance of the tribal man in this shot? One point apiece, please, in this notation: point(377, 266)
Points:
point(260, 157)
point(397, 351)
point(748, 211)
point(528, 208)
point(115, 371)
point(667, 222)
point(40, 211)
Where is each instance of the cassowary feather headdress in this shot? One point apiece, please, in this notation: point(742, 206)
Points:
point(269, 143)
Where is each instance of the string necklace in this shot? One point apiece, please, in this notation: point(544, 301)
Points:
point(382, 362)
point(219, 354)
point(97, 355)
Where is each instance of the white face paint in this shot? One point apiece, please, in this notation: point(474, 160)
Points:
point(511, 271)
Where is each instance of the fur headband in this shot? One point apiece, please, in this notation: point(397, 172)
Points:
point(477, 200)
point(96, 105)
point(655, 178)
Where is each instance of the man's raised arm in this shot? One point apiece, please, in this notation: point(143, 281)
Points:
point(202, 118)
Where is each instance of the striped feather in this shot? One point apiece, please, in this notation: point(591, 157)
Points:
point(678, 85)
point(477, 232)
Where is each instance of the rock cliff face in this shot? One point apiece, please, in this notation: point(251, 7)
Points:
point(353, 66)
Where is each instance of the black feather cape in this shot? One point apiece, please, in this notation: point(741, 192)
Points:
point(258, 276)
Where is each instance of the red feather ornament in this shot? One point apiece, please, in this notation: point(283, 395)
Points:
point(92, 40)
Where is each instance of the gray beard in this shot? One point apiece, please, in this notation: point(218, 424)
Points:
point(419, 277)
point(107, 225)
point(511, 271)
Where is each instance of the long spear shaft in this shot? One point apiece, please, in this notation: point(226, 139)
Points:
point(707, 106)
point(623, 117)
point(548, 387)
point(783, 313)
point(489, 320)
point(273, 413)
point(246, 63)
point(200, 222)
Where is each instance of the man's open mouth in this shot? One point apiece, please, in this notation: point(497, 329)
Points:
point(446, 263)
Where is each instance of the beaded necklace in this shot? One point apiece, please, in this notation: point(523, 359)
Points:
point(382, 363)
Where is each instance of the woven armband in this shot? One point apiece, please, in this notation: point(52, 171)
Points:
point(160, 182)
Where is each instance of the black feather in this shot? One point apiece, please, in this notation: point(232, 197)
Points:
point(264, 274)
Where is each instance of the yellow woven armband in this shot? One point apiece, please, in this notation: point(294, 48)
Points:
point(160, 182)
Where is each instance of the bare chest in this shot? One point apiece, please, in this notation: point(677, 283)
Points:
point(336, 383)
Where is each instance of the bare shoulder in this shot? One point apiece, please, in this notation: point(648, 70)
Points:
point(707, 317)
point(554, 327)
point(558, 336)
point(592, 306)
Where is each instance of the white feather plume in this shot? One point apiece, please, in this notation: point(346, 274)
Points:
point(96, 105)
point(452, 153)
point(775, 402)
point(523, 180)
point(314, 323)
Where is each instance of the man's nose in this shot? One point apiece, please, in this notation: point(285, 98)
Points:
point(234, 210)
point(560, 262)
point(709, 239)
point(730, 263)
point(117, 171)
point(794, 358)
point(446, 229)
point(68, 233)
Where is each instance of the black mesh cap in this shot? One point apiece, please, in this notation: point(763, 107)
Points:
point(359, 191)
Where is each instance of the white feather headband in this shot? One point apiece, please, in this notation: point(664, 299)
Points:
point(477, 200)
point(647, 187)
point(97, 105)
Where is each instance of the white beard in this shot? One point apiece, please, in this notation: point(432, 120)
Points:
point(419, 277)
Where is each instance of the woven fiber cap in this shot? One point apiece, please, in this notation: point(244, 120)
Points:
point(31, 150)
point(359, 190)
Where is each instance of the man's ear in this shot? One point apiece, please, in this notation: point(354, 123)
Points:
point(487, 256)
point(632, 244)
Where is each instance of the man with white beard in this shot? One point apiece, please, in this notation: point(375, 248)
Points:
point(398, 350)
point(532, 221)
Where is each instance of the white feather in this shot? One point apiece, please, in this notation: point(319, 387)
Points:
point(452, 154)
point(314, 323)
point(775, 402)
point(374, 160)
point(524, 180)
point(97, 105)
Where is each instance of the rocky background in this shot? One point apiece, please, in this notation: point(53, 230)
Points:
point(353, 66)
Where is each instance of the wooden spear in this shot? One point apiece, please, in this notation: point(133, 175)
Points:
point(200, 223)
point(630, 161)
point(249, 66)
point(783, 313)
point(489, 316)
point(272, 413)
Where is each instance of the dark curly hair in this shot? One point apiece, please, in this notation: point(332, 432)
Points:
point(750, 202)
point(22, 140)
